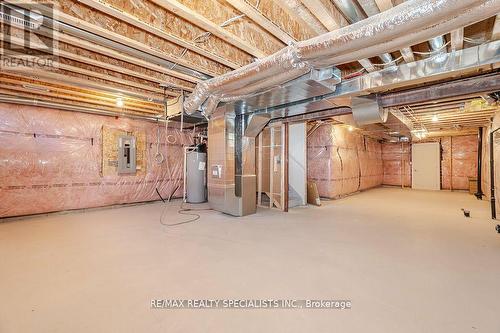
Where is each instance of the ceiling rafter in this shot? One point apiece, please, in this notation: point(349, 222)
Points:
point(191, 16)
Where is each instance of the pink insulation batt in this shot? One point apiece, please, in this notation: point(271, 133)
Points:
point(341, 162)
point(51, 160)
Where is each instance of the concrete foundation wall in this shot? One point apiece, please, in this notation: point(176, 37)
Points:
point(51, 160)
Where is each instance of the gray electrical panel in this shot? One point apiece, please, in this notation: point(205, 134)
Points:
point(126, 154)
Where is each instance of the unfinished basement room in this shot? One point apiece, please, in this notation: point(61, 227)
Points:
point(249, 166)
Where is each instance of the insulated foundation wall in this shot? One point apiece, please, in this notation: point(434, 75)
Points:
point(396, 162)
point(342, 162)
point(52, 160)
point(458, 162)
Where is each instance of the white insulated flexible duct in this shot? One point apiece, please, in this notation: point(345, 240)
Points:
point(401, 26)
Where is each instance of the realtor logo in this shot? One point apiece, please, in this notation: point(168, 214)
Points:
point(27, 35)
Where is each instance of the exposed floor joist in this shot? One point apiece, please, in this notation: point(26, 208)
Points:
point(197, 19)
point(256, 16)
point(125, 17)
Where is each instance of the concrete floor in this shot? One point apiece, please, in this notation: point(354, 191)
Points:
point(408, 260)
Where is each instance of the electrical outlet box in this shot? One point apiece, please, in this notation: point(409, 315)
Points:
point(216, 171)
point(126, 155)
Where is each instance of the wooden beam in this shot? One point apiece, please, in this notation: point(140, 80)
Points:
point(191, 16)
point(495, 33)
point(256, 16)
point(129, 19)
point(452, 89)
point(457, 39)
point(384, 5)
point(322, 13)
point(367, 64)
point(303, 15)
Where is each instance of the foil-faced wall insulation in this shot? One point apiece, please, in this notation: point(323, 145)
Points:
point(51, 161)
point(341, 162)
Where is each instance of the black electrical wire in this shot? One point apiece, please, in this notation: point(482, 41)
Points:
point(181, 211)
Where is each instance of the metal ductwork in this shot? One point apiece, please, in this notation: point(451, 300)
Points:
point(353, 13)
point(401, 26)
point(366, 111)
point(231, 161)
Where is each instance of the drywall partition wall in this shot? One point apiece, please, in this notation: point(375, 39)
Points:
point(51, 161)
point(342, 162)
point(297, 164)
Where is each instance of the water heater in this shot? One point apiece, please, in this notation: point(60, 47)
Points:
point(195, 180)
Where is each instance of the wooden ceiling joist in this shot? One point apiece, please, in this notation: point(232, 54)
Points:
point(64, 97)
point(36, 96)
point(125, 17)
point(83, 44)
point(329, 17)
point(495, 33)
point(256, 16)
point(204, 23)
point(96, 63)
point(36, 74)
point(155, 51)
point(52, 85)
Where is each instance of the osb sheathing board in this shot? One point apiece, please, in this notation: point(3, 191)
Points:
point(219, 12)
point(275, 13)
point(110, 137)
point(51, 161)
point(162, 19)
point(341, 162)
point(107, 22)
